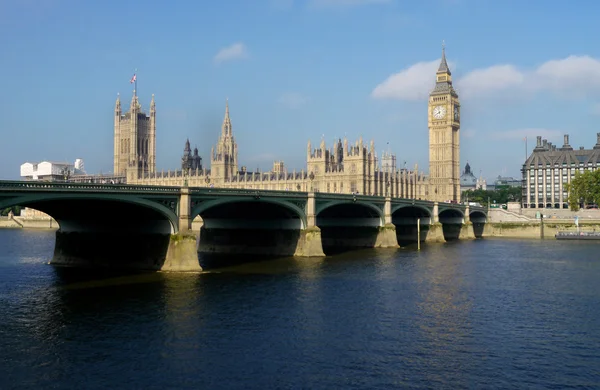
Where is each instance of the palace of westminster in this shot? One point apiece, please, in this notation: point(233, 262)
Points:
point(342, 168)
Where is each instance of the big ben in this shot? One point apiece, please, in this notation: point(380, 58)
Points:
point(444, 137)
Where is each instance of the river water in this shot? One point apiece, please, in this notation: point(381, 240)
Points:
point(472, 314)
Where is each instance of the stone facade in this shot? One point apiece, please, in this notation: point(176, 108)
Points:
point(548, 169)
point(444, 137)
point(343, 167)
point(135, 139)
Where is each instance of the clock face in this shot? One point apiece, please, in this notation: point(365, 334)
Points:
point(439, 112)
point(456, 115)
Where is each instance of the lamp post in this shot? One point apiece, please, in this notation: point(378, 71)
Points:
point(207, 180)
point(387, 188)
point(185, 177)
point(311, 177)
point(66, 173)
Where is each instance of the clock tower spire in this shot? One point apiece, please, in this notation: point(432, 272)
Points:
point(444, 136)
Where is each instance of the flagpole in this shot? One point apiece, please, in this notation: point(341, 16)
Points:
point(135, 83)
point(525, 148)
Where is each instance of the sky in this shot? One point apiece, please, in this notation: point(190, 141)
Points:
point(293, 71)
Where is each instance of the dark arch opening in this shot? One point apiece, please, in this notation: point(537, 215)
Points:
point(452, 221)
point(240, 231)
point(103, 233)
point(405, 219)
point(347, 226)
point(478, 219)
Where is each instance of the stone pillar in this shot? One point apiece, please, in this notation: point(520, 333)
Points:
point(185, 222)
point(182, 254)
point(309, 242)
point(435, 217)
point(387, 210)
point(435, 233)
point(467, 232)
point(386, 237)
point(311, 208)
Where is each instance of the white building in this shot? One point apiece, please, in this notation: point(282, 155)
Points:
point(51, 171)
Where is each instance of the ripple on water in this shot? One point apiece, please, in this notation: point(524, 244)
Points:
point(477, 314)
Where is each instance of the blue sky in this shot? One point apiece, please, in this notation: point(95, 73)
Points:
point(295, 70)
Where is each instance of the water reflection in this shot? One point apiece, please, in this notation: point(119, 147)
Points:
point(476, 314)
point(444, 310)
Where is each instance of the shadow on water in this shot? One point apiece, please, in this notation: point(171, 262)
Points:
point(73, 277)
point(212, 261)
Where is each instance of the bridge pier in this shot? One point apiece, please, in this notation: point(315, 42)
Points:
point(182, 253)
point(435, 233)
point(309, 241)
point(466, 231)
point(387, 237)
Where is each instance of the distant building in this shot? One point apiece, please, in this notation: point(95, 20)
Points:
point(134, 138)
point(504, 181)
point(548, 169)
point(468, 181)
point(51, 171)
point(190, 161)
point(388, 162)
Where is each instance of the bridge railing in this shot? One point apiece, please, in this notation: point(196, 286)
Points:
point(239, 191)
point(83, 187)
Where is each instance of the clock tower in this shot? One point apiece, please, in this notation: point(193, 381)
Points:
point(444, 139)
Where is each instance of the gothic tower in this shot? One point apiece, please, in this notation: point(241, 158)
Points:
point(224, 161)
point(134, 139)
point(444, 139)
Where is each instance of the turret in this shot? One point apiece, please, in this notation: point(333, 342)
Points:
point(118, 105)
point(187, 150)
point(226, 127)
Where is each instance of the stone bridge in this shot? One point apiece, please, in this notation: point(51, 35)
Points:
point(139, 226)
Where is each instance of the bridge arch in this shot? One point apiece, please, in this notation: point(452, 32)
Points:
point(348, 224)
point(279, 205)
point(416, 209)
point(105, 230)
point(452, 221)
point(478, 219)
point(241, 225)
point(45, 202)
point(451, 213)
point(406, 217)
point(361, 209)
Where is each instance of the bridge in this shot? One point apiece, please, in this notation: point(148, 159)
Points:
point(149, 227)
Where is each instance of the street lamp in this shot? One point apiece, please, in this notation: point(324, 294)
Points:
point(207, 180)
point(387, 188)
point(66, 173)
point(185, 177)
point(311, 178)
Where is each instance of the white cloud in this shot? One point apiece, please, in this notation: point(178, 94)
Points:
point(293, 100)
point(344, 3)
point(489, 80)
point(233, 52)
point(570, 77)
point(413, 83)
point(530, 133)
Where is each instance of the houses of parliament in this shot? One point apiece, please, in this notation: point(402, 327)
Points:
point(343, 167)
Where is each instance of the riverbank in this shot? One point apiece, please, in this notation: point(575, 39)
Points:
point(28, 223)
point(537, 229)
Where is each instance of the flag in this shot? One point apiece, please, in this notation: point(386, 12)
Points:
point(132, 79)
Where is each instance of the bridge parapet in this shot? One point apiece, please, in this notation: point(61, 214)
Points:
point(83, 187)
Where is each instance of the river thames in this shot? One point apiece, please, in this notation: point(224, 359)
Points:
point(477, 314)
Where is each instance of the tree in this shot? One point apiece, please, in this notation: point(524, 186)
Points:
point(584, 189)
point(15, 209)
